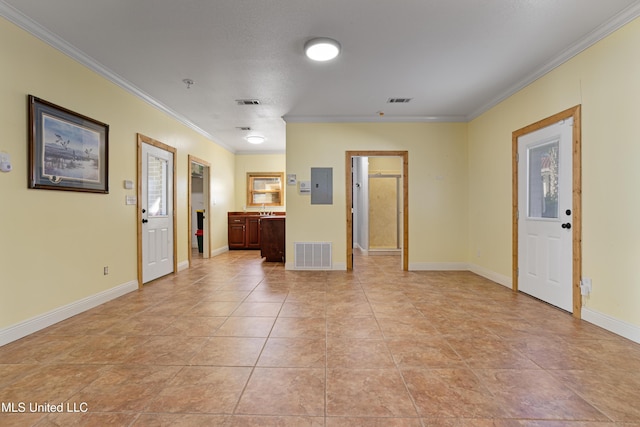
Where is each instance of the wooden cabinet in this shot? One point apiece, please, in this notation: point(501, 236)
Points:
point(237, 235)
point(253, 232)
point(243, 231)
point(272, 235)
point(248, 230)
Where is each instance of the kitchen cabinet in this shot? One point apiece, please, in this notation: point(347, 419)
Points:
point(272, 238)
point(244, 229)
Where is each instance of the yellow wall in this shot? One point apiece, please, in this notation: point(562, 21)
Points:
point(255, 163)
point(437, 185)
point(604, 79)
point(54, 244)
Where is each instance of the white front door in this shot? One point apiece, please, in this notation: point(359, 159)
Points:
point(157, 212)
point(545, 210)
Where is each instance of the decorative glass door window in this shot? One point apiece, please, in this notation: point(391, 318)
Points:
point(265, 188)
point(543, 181)
point(157, 186)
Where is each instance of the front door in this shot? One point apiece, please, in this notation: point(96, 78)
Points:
point(156, 209)
point(545, 214)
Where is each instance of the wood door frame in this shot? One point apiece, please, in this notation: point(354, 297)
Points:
point(207, 223)
point(575, 113)
point(349, 155)
point(150, 141)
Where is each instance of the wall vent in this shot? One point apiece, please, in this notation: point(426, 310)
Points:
point(398, 100)
point(312, 255)
point(248, 101)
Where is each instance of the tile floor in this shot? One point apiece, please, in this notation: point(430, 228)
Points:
point(234, 341)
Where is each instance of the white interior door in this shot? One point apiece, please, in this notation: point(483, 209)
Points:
point(157, 212)
point(545, 213)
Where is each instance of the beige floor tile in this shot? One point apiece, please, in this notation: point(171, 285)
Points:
point(202, 389)
point(428, 352)
point(367, 393)
point(294, 353)
point(236, 341)
point(303, 327)
point(358, 353)
point(246, 327)
point(355, 327)
point(229, 351)
point(284, 391)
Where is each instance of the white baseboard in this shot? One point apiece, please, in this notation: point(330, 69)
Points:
point(29, 326)
point(611, 324)
point(219, 251)
point(438, 266)
point(491, 275)
point(183, 266)
point(336, 266)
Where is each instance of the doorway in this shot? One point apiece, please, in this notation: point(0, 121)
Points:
point(356, 184)
point(157, 255)
point(199, 196)
point(547, 210)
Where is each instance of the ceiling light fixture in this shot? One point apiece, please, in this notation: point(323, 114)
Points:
point(322, 49)
point(255, 139)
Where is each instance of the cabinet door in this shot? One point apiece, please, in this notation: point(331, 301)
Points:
point(253, 232)
point(273, 240)
point(237, 235)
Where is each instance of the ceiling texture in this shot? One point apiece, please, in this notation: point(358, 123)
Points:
point(454, 59)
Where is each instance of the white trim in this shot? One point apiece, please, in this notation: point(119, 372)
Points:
point(336, 266)
point(491, 275)
point(438, 266)
point(76, 54)
point(613, 24)
point(219, 251)
point(374, 119)
point(611, 324)
point(339, 266)
point(29, 326)
point(184, 265)
point(26, 23)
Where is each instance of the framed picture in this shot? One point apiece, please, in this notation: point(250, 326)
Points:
point(67, 151)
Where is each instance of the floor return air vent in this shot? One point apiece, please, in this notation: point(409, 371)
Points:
point(312, 255)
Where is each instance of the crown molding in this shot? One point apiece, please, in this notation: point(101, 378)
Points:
point(618, 21)
point(373, 119)
point(37, 30)
point(624, 17)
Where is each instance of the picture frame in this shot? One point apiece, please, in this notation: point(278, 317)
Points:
point(67, 151)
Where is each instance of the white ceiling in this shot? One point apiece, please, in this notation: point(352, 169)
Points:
point(454, 58)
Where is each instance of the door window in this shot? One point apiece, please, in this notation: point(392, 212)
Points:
point(157, 186)
point(543, 181)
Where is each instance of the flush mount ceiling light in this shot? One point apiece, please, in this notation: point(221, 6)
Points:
point(255, 139)
point(321, 49)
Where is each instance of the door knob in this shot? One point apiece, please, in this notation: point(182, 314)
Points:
point(144, 221)
point(566, 225)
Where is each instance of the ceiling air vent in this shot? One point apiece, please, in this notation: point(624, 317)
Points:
point(248, 101)
point(398, 100)
point(243, 128)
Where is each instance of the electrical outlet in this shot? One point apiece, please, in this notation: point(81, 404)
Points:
point(106, 270)
point(585, 286)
